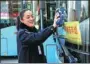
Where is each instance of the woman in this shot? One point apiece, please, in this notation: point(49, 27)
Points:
point(29, 41)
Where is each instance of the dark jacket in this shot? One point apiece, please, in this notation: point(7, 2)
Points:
point(28, 40)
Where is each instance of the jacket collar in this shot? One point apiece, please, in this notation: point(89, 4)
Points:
point(31, 29)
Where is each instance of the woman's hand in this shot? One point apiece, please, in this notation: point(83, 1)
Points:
point(56, 17)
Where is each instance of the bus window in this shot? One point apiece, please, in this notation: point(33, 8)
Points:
point(4, 14)
point(51, 6)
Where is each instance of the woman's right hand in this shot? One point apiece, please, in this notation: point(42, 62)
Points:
point(56, 17)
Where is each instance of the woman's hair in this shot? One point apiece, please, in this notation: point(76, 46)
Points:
point(18, 22)
point(21, 14)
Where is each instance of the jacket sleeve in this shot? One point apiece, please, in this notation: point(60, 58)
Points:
point(28, 38)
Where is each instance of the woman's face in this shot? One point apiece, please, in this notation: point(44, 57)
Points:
point(28, 18)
